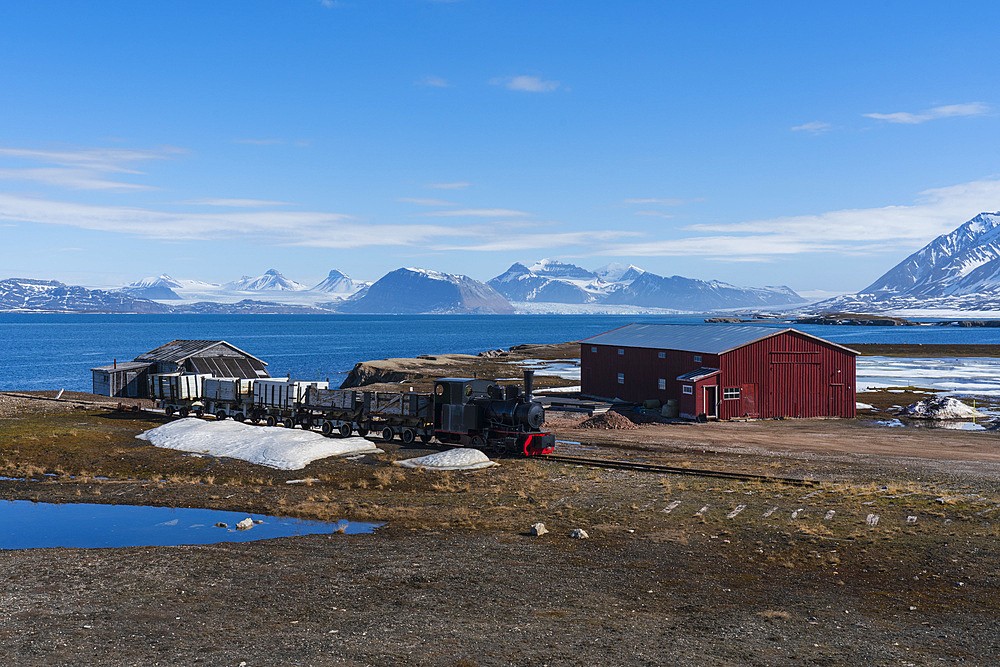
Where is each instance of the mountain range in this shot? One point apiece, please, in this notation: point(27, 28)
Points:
point(956, 271)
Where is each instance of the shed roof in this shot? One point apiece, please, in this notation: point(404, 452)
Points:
point(703, 338)
point(699, 374)
point(179, 350)
point(124, 366)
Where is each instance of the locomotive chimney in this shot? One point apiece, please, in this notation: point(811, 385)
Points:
point(529, 377)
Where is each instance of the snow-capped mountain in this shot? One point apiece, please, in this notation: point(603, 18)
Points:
point(24, 294)
point(549, 281)
point(424, 291)
point(959, 271)
point(271, 280)
point(339, 282)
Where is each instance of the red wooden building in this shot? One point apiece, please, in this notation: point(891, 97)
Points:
point(721, 371)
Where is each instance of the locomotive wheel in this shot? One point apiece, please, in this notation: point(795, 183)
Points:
point(345, 430)
point(168, 411)
point(288, 423)
point(408, 435)
point(499, 448)
point(477, 442)
point(362, 431)
point(239, 417)
point(271, 420)
point(326, 428)
point(387, 434)
point(424, 438)
point(220, 415)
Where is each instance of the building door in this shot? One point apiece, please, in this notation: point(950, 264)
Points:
point(748, 400)
point(711, 401)
point(838, 402)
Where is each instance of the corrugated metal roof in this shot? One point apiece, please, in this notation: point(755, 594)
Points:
point(124, 366)
point(228, 367)
point(179, 350)
point(703, 338)
point(701, 373)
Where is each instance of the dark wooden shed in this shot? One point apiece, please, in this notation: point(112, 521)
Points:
point(214, 357)
point(721, 371)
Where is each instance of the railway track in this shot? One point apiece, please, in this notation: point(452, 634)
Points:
point(673, 470)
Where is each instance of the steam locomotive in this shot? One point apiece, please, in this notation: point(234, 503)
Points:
point(464, 412)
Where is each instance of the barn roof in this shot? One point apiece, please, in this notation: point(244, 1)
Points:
point(179, 350)
point(124, 366)
point(704, 338)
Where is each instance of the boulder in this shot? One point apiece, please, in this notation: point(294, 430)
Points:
point(579, 533)
point(245, 524)
point(538, 529)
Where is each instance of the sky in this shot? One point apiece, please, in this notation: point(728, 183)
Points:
point(813, 145)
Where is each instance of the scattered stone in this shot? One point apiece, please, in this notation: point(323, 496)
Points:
point(911, 519)
point(609, 420)
point(872, 519)
point(579, 533)
point(245, 524)
point(939, 407)
point(538, 529)
point(222, 525)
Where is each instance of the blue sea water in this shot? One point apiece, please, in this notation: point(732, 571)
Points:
point(50, 351)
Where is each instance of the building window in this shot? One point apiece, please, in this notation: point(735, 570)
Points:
point(593, 349)
point(731, 393)
point(621, 351)
point(697, 358)
point(661, 384)
point(621, 378)
point(687, 389)
point(662, 355)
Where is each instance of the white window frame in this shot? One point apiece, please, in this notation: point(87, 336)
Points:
point(621, 378)
point(661, 384)
point(687, 389)
point(697, 358)
point(730, 393)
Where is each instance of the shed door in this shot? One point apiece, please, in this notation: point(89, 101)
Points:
point(838, 402)
point(748, 400)
point(794, 390)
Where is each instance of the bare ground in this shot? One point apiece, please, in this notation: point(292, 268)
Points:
point(677, 570)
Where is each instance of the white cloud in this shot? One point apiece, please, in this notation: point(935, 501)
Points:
point(424, 201)
point(71, 179)
point(947, 111)
point(814, 127)
point(234, 203)
point(525, 83)
point(457, 185)
point(664, 201)
point(844, 232)
point(81, 168)
point(658, 214)
point(476, 212)
point(562, 240)
point(432, 81)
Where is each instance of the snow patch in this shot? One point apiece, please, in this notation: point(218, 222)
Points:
point(284, 449)
point(453, 459)
point(940, 407)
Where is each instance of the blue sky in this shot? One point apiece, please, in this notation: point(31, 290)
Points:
point(756, 143)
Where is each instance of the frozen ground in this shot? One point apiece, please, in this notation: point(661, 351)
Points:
point(962, 375)
point(285, 449)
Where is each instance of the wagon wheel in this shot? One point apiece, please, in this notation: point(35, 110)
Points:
point(199, 413)
point(271, 420)
point(184, 412)
point(499, 448)
point(168, 411)
point(220, 415)
point(387, 434)
point(408, 435)
point(424, 438)
point(326, 428)
point(255, 419)
point(288, 423)
point(362, 431)
point(345, 429)
point(239, 417)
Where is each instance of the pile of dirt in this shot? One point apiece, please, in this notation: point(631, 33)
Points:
point(609, 420)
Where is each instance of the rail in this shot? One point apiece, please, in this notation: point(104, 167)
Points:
point(673, 470)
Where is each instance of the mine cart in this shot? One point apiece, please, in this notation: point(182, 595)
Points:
point(228, 397)
point(178, 392)
point(283, 401)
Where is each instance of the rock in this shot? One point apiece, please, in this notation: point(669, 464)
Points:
point(939, 407)
point(222, 525)
point(538, 529)
point(490, 354)
point(579, 533)
point(245, 524)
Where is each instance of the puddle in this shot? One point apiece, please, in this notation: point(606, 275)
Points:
point(28, 525)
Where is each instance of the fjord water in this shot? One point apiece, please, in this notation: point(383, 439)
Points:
point(55, 351)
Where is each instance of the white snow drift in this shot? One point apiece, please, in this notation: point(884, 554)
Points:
point(285, 449)
point(453, 459)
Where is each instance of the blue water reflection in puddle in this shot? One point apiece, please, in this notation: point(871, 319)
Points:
point(28, 525)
